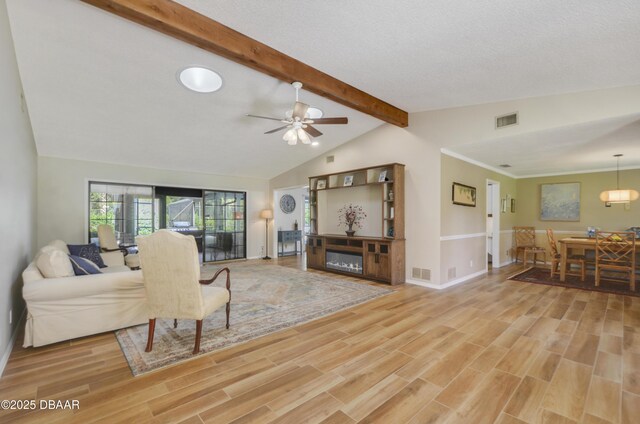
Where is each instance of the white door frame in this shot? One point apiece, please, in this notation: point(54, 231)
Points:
point(494, 186)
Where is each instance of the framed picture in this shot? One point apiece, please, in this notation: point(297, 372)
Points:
point(463, 195)
point(383, 176)
point(560, 202)
point(348, 180)
point(513, 205)
point(322, 184)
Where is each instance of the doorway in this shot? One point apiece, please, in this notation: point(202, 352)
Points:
point(493, 224)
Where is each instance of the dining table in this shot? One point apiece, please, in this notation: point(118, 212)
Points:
point(585, 243)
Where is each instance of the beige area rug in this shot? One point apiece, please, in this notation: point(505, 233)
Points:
point(264, 299)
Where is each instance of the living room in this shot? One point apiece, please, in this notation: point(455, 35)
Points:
point(124, 118)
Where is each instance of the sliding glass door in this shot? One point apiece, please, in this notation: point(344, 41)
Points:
point(216, 219)
point(127, 208)
point(224, 225)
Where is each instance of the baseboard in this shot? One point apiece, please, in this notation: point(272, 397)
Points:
point(448, 283)
point(12, 341)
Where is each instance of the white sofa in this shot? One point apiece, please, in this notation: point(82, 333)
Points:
point(67, 307)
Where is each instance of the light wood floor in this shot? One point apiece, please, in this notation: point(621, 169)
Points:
point(486, 351)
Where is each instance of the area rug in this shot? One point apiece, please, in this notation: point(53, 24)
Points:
point(541, 276)
point(264, 299)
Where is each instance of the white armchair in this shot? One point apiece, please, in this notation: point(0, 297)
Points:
point(108, 243)
point(171, 271)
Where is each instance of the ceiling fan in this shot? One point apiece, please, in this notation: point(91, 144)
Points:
point(299, 123)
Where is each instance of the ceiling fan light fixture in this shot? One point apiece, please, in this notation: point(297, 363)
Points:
point(291, 137)
point(303, 136)
point(200, 80)
point(315, 143)
point(617, 195)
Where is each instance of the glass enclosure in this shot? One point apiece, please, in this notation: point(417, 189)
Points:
point(224, 215)
point(216, 219)
point(127, 208)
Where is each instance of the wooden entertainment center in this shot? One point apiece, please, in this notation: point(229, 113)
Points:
point(380, 256)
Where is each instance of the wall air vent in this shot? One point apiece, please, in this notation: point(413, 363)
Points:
point(504, 165)
point(330, 159)
point(507, 120)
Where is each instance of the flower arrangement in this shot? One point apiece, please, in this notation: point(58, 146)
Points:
point(351, 215)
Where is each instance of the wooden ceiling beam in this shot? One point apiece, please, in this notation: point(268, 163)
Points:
point(180, 22)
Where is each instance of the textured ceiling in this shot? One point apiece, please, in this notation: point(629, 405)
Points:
point(102, 88)
point(433, 54)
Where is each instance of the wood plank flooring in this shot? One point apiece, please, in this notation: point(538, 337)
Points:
point(489, 350)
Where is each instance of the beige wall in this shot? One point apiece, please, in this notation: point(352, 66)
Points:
point(465, 256)
point(62, 195)
point(17, 188)
point(593, 213)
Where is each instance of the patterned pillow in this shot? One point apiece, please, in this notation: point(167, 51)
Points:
point(82, 266)
point(87, 251)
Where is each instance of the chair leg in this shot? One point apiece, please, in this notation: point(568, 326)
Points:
point(196, 349)
point(597, 276)
point(583, 271)
point(152, 328)
point(228, 311)
point(175, 323)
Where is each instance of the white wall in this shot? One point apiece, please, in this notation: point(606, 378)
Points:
point(285, 221)
point(388, 144)
point(62, 195)
point(17, 189)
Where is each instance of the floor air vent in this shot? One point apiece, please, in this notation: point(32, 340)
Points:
point(507, 120)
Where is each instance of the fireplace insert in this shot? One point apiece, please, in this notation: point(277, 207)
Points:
point(344, 261)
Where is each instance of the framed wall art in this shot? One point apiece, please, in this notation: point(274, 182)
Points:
point(463, 195)
point(560, 202)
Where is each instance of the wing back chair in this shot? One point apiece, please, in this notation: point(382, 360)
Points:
point(171, 271)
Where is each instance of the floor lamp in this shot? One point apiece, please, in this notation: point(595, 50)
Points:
point(266, 214)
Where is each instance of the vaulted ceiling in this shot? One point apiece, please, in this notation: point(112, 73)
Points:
point(101, 88)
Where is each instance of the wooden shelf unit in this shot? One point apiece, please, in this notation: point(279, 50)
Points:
point(383, 258)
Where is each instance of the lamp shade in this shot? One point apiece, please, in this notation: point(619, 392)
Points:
point(618, 196)
point(266, 214)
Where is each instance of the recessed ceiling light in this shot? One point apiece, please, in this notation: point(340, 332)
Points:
point(199, 79)
point(315, 143)
point(314, 113)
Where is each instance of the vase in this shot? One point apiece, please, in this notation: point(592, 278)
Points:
point(350, 232)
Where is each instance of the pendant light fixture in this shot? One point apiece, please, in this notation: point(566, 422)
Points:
point(617, 195)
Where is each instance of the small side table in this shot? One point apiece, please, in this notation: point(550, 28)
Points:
point(293, 236)
point(535, 251)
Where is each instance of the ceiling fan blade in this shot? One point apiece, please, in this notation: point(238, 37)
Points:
point(312, 131)
point(276, 130)
point(342, 120)
point(300, 110)
point(263, 117)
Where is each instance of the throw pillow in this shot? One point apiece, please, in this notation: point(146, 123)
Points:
point(87, 251)
point(54, 263)
point(82, 266)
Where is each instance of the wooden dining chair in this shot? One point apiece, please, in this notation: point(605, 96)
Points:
point(525, 243)
point(616, 252)
point(556, 259)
